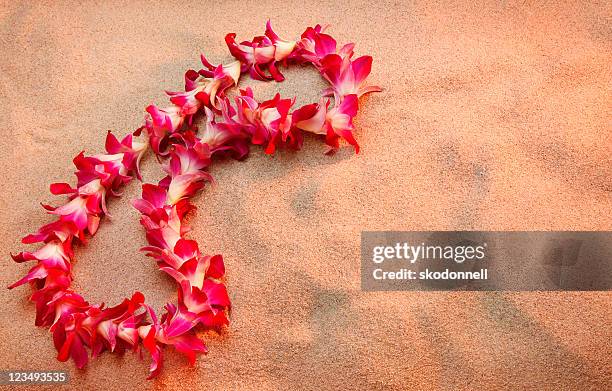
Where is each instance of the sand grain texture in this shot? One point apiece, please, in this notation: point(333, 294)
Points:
point(494, 116)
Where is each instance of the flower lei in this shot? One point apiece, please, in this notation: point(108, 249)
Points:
point(202, 295)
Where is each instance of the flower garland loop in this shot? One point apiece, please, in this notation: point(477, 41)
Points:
point(77, 325)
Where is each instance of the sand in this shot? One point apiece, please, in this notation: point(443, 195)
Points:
point(494, 117)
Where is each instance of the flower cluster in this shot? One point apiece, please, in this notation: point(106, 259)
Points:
point(271, 123)
point(76, 324)
point(230, 126)
point(202, 294)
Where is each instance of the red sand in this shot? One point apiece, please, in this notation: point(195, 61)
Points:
point(494, 116)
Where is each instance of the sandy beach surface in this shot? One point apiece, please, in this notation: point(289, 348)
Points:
point(494, 116)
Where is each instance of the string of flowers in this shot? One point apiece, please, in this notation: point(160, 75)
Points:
point(78, 326)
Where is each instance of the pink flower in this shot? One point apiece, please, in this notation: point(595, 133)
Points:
point(53, 266)
point(185, 175)
point(262, 54)
point(169, 119)
point(175, 329)
point(132, 151)
point(62, 304)
point(283, 47)
point(153, 198)
point(206, 90)
point(164, 233)
point(186, 185)
point(115, 328)
point(54, 254)
point(108, 170)
point(60, 230)
point(83, 211)
point(160, 123)
point(334, 124)
point(56, 282)
point(105, 171)
point(163, 223)
point(70, 339)
point(347, 77)
point(78, 325)
point(115, 168)
point(201, 291)
point(188, 160)
point(218, 79)
point(269, 122)
point(182, 251)
point(226, 135)
point(256, 57)
point(315, 45)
